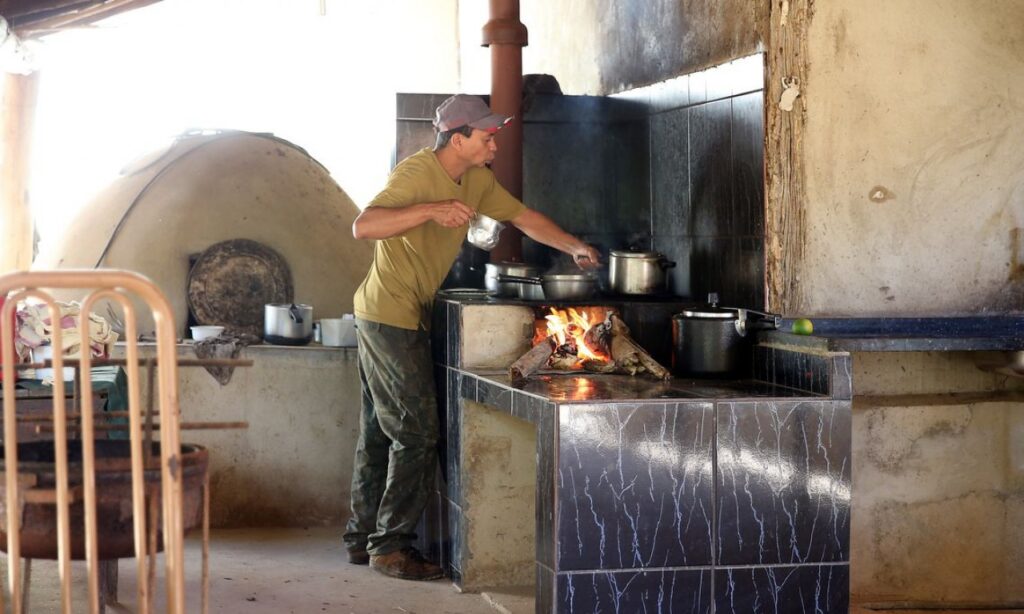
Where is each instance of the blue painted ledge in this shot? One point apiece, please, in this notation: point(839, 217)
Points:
point(969, 333)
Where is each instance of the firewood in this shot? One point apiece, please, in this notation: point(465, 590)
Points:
point(532, 360)
point(598, 336)
point(599, 366)
point(629, 357)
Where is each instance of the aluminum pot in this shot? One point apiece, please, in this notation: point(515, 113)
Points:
point(560, 287)
point(510, 288)
point(713, 341)
point(287, 324)
point(638, 272)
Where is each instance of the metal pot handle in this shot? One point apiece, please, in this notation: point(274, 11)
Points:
point(520, 279)
point(769, 321)
point(295, 314)
point(667, 264)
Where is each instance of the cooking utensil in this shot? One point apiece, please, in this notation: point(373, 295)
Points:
point(560, 287)
point(712, 341)
point(200, 333)
point(494, 269)
point(637, 272)
point(232, 281)
point(338, 332)
point(287, 324)
point(484, 232)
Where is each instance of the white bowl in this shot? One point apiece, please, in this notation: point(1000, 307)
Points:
point(206, 332)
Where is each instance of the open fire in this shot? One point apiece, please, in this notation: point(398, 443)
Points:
point(593, 339)
point(569, 329)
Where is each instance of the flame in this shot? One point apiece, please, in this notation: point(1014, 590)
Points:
point(568, 326)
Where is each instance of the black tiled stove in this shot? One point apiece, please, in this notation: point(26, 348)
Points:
point(679, 496)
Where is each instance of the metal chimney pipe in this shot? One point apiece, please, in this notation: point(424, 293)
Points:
point(506, 36)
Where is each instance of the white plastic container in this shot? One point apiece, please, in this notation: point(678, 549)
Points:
point(338, 332)
point(206, 332)
point(43, 353)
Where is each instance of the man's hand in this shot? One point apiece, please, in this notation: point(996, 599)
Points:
point(451, 213)
point(586, 257)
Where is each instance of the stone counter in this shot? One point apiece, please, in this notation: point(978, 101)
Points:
point(614, 493)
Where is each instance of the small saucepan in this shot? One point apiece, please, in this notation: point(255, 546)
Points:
point(561, 286)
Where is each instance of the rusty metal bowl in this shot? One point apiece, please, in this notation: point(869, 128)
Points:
point(113, 496)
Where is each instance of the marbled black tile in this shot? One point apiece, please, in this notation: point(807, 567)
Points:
point(802, 370)
point(467, 386)
point(763, 365)
point(666, 591)
point(634, 485)
point(530, 408)
point(783, 485)
point(823, 589)
point(676, 249)
point(453, 438)
point(455, 532)
point(711, 169)
point(454, 335)
point(430, 534)
point(750, 273)
point(439, 332)
point(708, 268)
point(494, 395)
point(545, 590)
point(841, 378)
point(748, 164)
point(670, 178)
point(547, 438)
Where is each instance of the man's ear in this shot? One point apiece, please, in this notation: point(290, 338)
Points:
point(457, 143)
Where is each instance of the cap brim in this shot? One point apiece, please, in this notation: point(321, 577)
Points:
point(491, 122)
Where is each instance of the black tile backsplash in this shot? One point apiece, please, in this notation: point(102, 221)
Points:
point(668, 167)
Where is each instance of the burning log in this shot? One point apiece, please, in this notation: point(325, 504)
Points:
point(629, 357)
point(532, 360)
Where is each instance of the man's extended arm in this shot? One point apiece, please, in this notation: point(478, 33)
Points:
point(386, 222)
point(542, 229)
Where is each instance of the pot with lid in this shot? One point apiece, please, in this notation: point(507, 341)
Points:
point(713, 341)
point(637, 272)
point(287, 324)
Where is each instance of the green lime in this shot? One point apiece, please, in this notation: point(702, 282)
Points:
point(803, 326)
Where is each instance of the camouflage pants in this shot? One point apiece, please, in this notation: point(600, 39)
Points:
point(398, 430)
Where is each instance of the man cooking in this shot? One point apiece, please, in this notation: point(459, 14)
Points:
point(419, 222)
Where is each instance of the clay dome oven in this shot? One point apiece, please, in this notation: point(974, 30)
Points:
point(169, 207)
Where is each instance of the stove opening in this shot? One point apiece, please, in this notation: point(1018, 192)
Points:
point(580, 336)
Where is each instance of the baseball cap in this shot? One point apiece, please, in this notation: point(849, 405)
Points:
point(465, 110)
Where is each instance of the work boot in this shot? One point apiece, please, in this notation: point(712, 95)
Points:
point(359, 556)
point(407, 564)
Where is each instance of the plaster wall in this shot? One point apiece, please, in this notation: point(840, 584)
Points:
point(914, 169)
point(293, 466)
point(606, 46)
point(938, 484)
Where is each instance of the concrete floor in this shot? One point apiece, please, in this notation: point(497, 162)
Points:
point(264, 571)
point(277, 571)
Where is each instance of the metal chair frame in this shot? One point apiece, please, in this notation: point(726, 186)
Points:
point(118, 286)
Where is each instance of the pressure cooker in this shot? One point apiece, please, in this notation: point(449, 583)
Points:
point(713, 341)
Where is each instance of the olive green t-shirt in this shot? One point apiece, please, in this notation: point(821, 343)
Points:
point(408, 268)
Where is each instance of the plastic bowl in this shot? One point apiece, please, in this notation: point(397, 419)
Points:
point(206, 332)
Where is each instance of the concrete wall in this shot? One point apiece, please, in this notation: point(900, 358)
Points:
point(606, 46)
point(915, 170)
point(938, 480)
point(293, 466)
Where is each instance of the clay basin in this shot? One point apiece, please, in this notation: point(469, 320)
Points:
point(113, 495)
